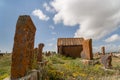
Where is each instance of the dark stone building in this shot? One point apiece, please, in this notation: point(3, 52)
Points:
point(75, 47)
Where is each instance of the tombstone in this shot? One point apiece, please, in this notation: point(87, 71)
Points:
point(35, 50)
point(48, 53)
point(87, 49)
point(34, 63)
point(23, 47)
point(40, 48)
point(106, 60)
point(103, 50)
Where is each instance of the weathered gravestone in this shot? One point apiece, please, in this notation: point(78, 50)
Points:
point(103, 50)
point(48, 53)
point(23, 48)
point(36, 51)
point(106, 60)
point(34, 63)
point(40, 48)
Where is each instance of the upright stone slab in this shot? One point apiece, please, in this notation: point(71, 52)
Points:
point(87, 49)
point(103, 50)
point(40, 48)
point(48, 53)
point(23, 47)
point(35, 50)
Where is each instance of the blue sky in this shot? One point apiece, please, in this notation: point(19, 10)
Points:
point(63, 18)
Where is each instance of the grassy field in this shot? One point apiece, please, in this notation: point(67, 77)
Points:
point(65, 68)
point(5, 63)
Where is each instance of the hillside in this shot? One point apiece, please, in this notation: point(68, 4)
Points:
point(5, 63)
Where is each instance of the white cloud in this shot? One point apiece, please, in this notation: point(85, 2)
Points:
point(54, 33)
point(48, 7)
point(96, 18)
point(108, 48)
point(38, 13)
point(52, 39)
point(50, 44)
point(50, 47)
point(113, 38)
point(51, 27)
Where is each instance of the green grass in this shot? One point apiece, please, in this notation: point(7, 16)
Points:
point(65, 68)
point(5, 63)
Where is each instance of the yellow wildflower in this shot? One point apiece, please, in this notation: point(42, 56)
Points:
point(75, 74)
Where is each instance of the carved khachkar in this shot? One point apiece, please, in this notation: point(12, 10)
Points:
point(106, 60)
point(23, 48)
point(40, 48)
point(87, 49)
point(103, 50)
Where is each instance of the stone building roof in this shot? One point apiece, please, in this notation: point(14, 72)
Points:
point(69, 41)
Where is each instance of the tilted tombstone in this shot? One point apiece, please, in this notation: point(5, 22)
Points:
point(23, 47)
point(106, 60)
point(40, 48)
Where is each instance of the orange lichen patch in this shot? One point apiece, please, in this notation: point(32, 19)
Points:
point(23, 47)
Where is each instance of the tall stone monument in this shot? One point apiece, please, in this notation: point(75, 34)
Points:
point(40, 48)
point(23, 47)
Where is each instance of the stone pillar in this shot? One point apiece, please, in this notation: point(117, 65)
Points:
point(35, 50)
point(23, 47)
point(40, 48)
point(34, 63)
point(103, 50)
point(87, 49)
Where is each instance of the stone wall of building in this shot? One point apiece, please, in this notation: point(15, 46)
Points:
point(82, 48)
point(87, 49)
